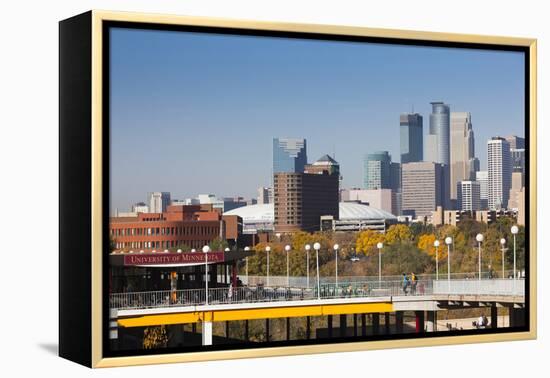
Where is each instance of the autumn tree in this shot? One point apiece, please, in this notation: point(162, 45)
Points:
point(398, 233)
point(367, 241)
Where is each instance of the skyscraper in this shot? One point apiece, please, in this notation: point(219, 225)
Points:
point(289, 155)
point(515, 141)
point(482, 179)
point(395, 185)
point(158, 201)
point(265, 195)
point(411, 136)
point(437, 140)
point(424, 187)
point(515, 190)
point(463, 162)
point(377, 168)
point(499, 172)
point(518, 162)
point(468, 195)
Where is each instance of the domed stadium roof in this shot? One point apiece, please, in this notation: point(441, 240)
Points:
point(262, 213)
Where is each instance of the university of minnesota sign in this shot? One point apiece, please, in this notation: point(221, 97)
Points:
point(172, 258)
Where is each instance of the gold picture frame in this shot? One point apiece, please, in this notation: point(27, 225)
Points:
point(93, 28)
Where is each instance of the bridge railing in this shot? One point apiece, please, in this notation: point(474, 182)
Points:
point(504, 287)
point(254, 294)
point(301, 281)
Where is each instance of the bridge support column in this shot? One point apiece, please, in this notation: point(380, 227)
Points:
point(267, 330)
point(363, 325)
point(387, 323)
point(206, 333)
point(399, 322)
point(343, 325)
point(246, 338)
point(431, 324)
point(494, 316)
point(288, 328)
point(375, 324)
point(419, 317)
point(308, 327)
point(329, 319)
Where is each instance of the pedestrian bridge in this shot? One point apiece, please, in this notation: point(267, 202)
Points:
point(247, 303)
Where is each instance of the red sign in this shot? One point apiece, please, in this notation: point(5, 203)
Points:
point(172, 258)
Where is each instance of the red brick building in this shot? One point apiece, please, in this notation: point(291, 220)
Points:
point(193, 226)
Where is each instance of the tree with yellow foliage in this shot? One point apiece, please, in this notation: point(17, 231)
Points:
point(426, 243)
point(398, 233)
point(367, 240)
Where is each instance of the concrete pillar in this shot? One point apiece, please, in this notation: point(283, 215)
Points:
point(431, 324)
point(329, 326)
point(399, 322)
point(288, 328)
point(419, 317)
point(206, 333)
point(226, 329)
point(387, 323)
point(343, 325)
point(494, 316)
point(375, 324)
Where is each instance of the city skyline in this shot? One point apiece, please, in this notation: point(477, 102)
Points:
point(332, 120)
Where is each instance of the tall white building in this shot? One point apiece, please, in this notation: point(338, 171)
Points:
point(158, 201)
point(463, 164)
point(499, 178)
point(468, 195)
point(483, 179)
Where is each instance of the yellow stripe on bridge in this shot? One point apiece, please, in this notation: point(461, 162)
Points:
point(254, 313)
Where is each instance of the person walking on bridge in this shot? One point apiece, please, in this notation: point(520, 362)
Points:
point(406, 283)
point(414, 282)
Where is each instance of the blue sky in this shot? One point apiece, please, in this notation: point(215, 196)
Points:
point(196, 113)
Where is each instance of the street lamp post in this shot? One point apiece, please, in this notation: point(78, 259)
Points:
point(246, 249)
point(449, 241)
point(479, 238)
point(436, 245)
point(503, 249)
point(317, 247)
point(336, 246)
point(287, 249)
point(380, 245)
point(267, 249)
point(206, 249)
point(515, 230)
point(307, 247)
